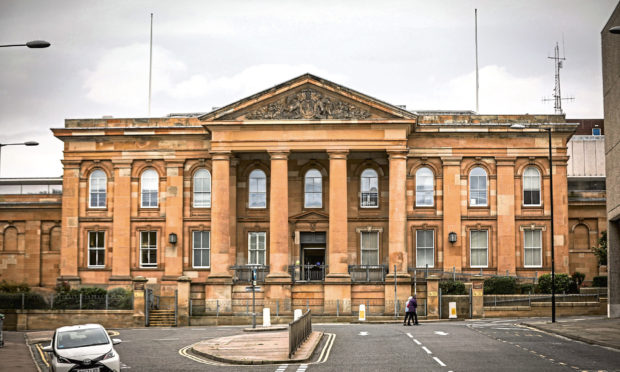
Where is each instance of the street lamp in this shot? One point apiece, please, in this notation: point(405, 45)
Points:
point(31, 44)
point(548, 130)
point(27, 143)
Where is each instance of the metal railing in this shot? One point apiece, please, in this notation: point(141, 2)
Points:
point(425, 272)
point(298, 331)
point(528, 299)
point(61, 301)
point(308, 273)
point(368, 273)
point(243, 273)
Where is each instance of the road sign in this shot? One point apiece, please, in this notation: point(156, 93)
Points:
point(252, 289)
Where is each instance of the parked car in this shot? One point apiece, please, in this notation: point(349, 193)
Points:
point(84, 348)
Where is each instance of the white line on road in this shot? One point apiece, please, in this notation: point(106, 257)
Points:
point(409, 334)
point(362, 333)
point(417, 342)
point(426, 349)
point(439, 361)
point(282, 368)
point(302, 368)
point(166, 339)
point(441, 333)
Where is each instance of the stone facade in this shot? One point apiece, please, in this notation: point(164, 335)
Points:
point(346, 184)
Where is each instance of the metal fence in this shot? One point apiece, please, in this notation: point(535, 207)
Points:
point(368, 273)
point(425, 272)
point(243, 273)
point(308, 273)
point(298, 331)
point(527, 300)
point(34, 301)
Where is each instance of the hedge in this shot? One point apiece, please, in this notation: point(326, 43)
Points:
point(599, 281)
point(452, 287)
point(500, 285)
point(563, 284)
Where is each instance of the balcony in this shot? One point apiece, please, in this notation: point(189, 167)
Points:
point(368, 273)
point(308, 273)
point(243, 273)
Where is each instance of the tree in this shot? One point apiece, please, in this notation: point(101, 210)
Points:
point(601, 250)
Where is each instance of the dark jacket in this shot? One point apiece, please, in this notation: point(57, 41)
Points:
point(412, 305)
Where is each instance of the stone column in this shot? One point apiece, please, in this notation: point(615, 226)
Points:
point(338, 281)
point(219, 282)
point(452, 201)
point(70, 209)
point(506, 245)
point(173, 255)
point(560, 214)
point(477, 296)
point(121, 222)
point(398, 213)
point(183, 296)
point(278, 216)
point(432, 297)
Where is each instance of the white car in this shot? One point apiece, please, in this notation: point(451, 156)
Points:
point(83, 348)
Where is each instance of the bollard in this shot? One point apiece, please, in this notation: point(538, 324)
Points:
point(277, 308)
point(362, 313)
point(297, 314)
point(337, 308)
point(266, 317)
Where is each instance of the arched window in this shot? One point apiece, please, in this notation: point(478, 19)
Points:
point(202, 189)
point(149, 186)
point(369, 189)
point(424, 187)
point(531, 186)
point(258, 189)
point(478, 187)
point(97, 189)
point(313, 189)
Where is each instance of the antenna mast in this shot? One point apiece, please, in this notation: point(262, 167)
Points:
point(150, 63)
point(557, 93)
point(476, 36)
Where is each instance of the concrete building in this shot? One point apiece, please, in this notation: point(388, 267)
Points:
point(611, 92)
point(332, 194)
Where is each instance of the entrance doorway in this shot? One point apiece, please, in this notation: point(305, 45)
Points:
point(312, 245)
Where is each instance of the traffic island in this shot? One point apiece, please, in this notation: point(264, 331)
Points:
point(257, 348)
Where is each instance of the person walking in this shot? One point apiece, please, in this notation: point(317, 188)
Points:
point(413, 302)
point(408, 313)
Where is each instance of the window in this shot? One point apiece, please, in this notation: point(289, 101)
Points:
point(258, 189)
point(424, 188)
point(202, 189)
point(96, 249)
point(479, 245)
point(149, 184)
point(478, 187)
point(532, 247)
point(313, 189)
point(256, 248)
point(148, 249)
point(369, 189)
point(370, 248)
point(425, 248)
point(201, 248)
point(531, 186)
point(97, 189)
point(596, 131)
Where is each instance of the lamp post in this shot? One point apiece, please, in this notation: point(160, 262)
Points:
point(36, 44)
point(28, 143)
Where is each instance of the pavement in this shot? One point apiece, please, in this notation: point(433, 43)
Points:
point(596, 331)
point(15, 355)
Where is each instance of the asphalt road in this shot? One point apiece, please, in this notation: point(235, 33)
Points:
point(483, 345)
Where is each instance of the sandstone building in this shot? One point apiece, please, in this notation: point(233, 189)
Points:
point(331, 193)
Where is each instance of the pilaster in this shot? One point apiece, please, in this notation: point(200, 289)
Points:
point(220, 218)
point(506, 244)
point(398, 214)
point(121, 223)
point(70, 208)
point(452, 202)
point(173, 254)
point(278, 218)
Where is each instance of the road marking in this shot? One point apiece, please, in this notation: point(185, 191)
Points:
point(417, 342)
point(363, 333)
point(426, 349)
point(439, 361)
point(166, 339)
point(113, 333)
point(282, 368)
point(302, 368)
point(409, 334)
point(42, 355)
point(326, 349)
point(441, 333)
point(184, 353)
point(125, 366)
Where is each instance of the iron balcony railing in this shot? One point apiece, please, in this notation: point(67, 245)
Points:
point(368, 273)
point(243, 273)
point(308, 273)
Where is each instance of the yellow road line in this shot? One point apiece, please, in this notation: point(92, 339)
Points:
point(42, 355)
point(113, 333)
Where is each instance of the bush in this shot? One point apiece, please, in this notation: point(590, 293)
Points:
point(93, 298)
point(452, 287)
point(601, 249)
point(599, 281)
point(578, 278)
point(500, 285)
point(14, 301)
point(7, 287)
point(120, 299)
point(526, 288)
point(563, 284)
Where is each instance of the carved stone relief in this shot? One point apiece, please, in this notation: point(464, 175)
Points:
point(308, 104)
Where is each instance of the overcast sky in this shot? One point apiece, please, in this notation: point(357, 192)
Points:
point(212, 53)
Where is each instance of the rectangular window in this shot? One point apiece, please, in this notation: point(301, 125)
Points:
point(201, 247)
point(148, 249)
point(479, 246)
point(596, 131)
point(532, 246)
point(257, 242)
point(96, 249)
point(425, 248)
point(369, 248)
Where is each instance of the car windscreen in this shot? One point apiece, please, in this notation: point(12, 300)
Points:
point(81, 338)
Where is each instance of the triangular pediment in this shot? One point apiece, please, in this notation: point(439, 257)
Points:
point(310, 216)
point(308, 97)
